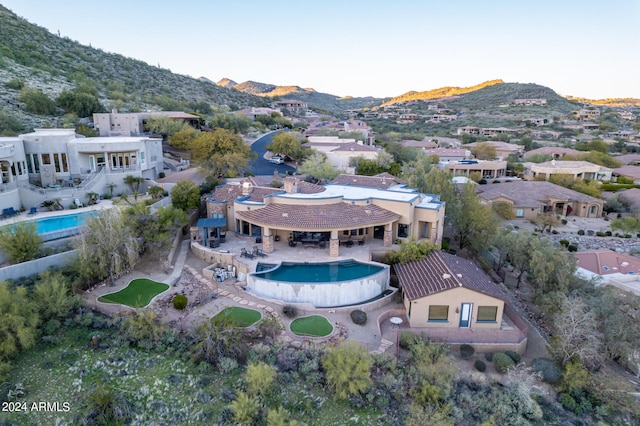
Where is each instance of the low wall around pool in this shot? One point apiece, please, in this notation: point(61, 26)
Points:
point(322, 295)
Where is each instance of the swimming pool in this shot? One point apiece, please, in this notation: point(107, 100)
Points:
point(326, 272)
point(327, 284)
point(59, 223)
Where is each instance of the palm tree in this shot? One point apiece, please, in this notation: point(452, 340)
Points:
point(134, 183)
point(156, 192)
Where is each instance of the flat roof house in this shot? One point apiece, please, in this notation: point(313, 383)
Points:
point(576, 169)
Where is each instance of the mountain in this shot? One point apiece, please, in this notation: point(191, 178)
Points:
point(442, 92)
point(32, 57)
point(610, 102)
point(225, 82)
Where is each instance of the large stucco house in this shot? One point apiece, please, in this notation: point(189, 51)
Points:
point(610, 267)
point(375, 207)
point(116, 123)
point(575, 169)
point(58, 163)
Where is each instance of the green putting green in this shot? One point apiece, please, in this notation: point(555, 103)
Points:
point(241, 317)
point(137, 294)
point(314, 325)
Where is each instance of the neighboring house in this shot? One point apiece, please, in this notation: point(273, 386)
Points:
point(135, 123)
point(530, 102)
point(588, 114)
point(610, 267)
point(556, 152)
point(487, 169)
point(341, 156)
point(632, 196)
point(503, 149)
point(297, 107)
point(424, 144)
point(339, 127)
point(57, 163)
point(302, 211)
point(530, 198)
point(576, 169)
point(254, 112)
point(449, 154)
point(448, 298)
point(626, 159)
point(631, 172)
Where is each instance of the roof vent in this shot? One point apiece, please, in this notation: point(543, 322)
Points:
point(285, 214)
point(445, 276)
point(459, 275)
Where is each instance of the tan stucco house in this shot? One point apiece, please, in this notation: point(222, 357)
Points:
point(443, 290)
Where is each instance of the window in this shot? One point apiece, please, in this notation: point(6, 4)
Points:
point(65, 165)
point(519, 212)
point(56, 162)
point(403, 230)
point(592, 210)
point(36, 163)
point(487, 313)
point(46, 159)
point(438, 312)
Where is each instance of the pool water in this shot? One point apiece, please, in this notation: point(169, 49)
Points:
point(58, 223)
point(327, 272)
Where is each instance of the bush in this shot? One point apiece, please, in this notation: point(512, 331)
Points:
point(572, 248)
point(489, 356)
point(563, 221)
point(551, 372)
point(161, 175)
point(608, 233)
point(480, 365)
point(581, 232)
point(290, 311)
point(466, 351)
point(482, 182)
point(502, 362)
point(564, 243)
point(515, 356)
point(180, 301)
point(600, 234)
point(359, 317)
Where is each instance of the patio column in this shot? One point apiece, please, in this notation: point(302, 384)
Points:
point(267, 240)
point(334, 244)
point(388, 236)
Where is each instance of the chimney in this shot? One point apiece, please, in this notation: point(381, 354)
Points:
point(291, 185)
point(246, 188)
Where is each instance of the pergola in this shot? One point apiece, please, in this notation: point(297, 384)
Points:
point(211, 234)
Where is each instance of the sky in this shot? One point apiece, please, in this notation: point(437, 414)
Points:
point(584, 48)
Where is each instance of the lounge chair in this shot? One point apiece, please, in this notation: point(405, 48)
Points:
point(78, 203)
point(9, 212)
point(245, 253)
point(34, 210)
point(258, 252)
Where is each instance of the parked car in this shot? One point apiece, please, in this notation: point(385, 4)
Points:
point(276, 159)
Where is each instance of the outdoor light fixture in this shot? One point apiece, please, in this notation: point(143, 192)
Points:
point(457, 310)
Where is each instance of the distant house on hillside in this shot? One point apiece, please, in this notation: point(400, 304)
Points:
point(575, 169)
point(135, 123)
point(556, 152)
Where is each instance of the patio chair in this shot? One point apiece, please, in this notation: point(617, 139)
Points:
point(34, 210)
point(9, 212)
point(258, 252)
point(245, 253)
point(78, 203)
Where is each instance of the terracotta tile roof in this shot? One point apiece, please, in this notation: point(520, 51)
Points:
point(318, 217)
point(628, 158)
point(629, 171)
point(380, 181)
point(227, 192)
point(531, 193)
point(604, 262)
point(440, 271)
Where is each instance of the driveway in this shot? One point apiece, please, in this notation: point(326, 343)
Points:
point(262, 167)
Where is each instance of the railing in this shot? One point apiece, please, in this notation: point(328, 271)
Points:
point(88, 182)
point(8, 186)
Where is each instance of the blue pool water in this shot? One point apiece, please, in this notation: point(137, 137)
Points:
point(58, 223)
point(328, 272)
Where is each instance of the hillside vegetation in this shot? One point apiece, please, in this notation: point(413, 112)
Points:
point(440, 93)
point(32, 56)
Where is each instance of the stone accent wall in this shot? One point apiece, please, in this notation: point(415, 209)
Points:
point(267, 243)
point(334, 247)
point(388, 237)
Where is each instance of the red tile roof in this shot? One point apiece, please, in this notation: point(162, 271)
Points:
point(318, 217)
point(381, 181)
point(604, 262)
point(440, 271)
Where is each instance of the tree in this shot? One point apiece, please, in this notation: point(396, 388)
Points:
point(218, 338)
point(484, 151)
point(526, 384)
point(106, 247)
point(156, 192)
point(551, 269)
point(183, 138)
point(545, 221)
point(259, 378)
point(318, 167)
point(519, 247)
point(20, 242)
point(576, 334)
point(18, 322)
point(134, 183)
point(221, 152)
point(244, 408)
point(79, 102)
point(409, 251)
point(185, 195)
point(163, 125)
point(142, 328)
point(473, 222)
point(36, 102)
point(286, 143)
point(51, 296)
point(627, 225)
point(347, 368)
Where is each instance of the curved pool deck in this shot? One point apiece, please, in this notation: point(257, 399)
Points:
point(323, 284)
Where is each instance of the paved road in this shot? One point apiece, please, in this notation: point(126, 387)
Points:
point(260, 166)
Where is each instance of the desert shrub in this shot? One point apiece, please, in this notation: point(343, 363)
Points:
point(480, 365)
point(161, 175)
point(466, 351)
point(359, 317)
point(572, 248)
point(581, 232)
point(502, 362)
point(515, 356)
point(180, 301)
point(600, 234)
point(563, 221)
point(551, 372)
point(226, 365)
point(482, 182)
point(627, 235)
point(290, 311)
point(489, 356)
point(608, 233)
point(564, 243)
point(407, 339)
